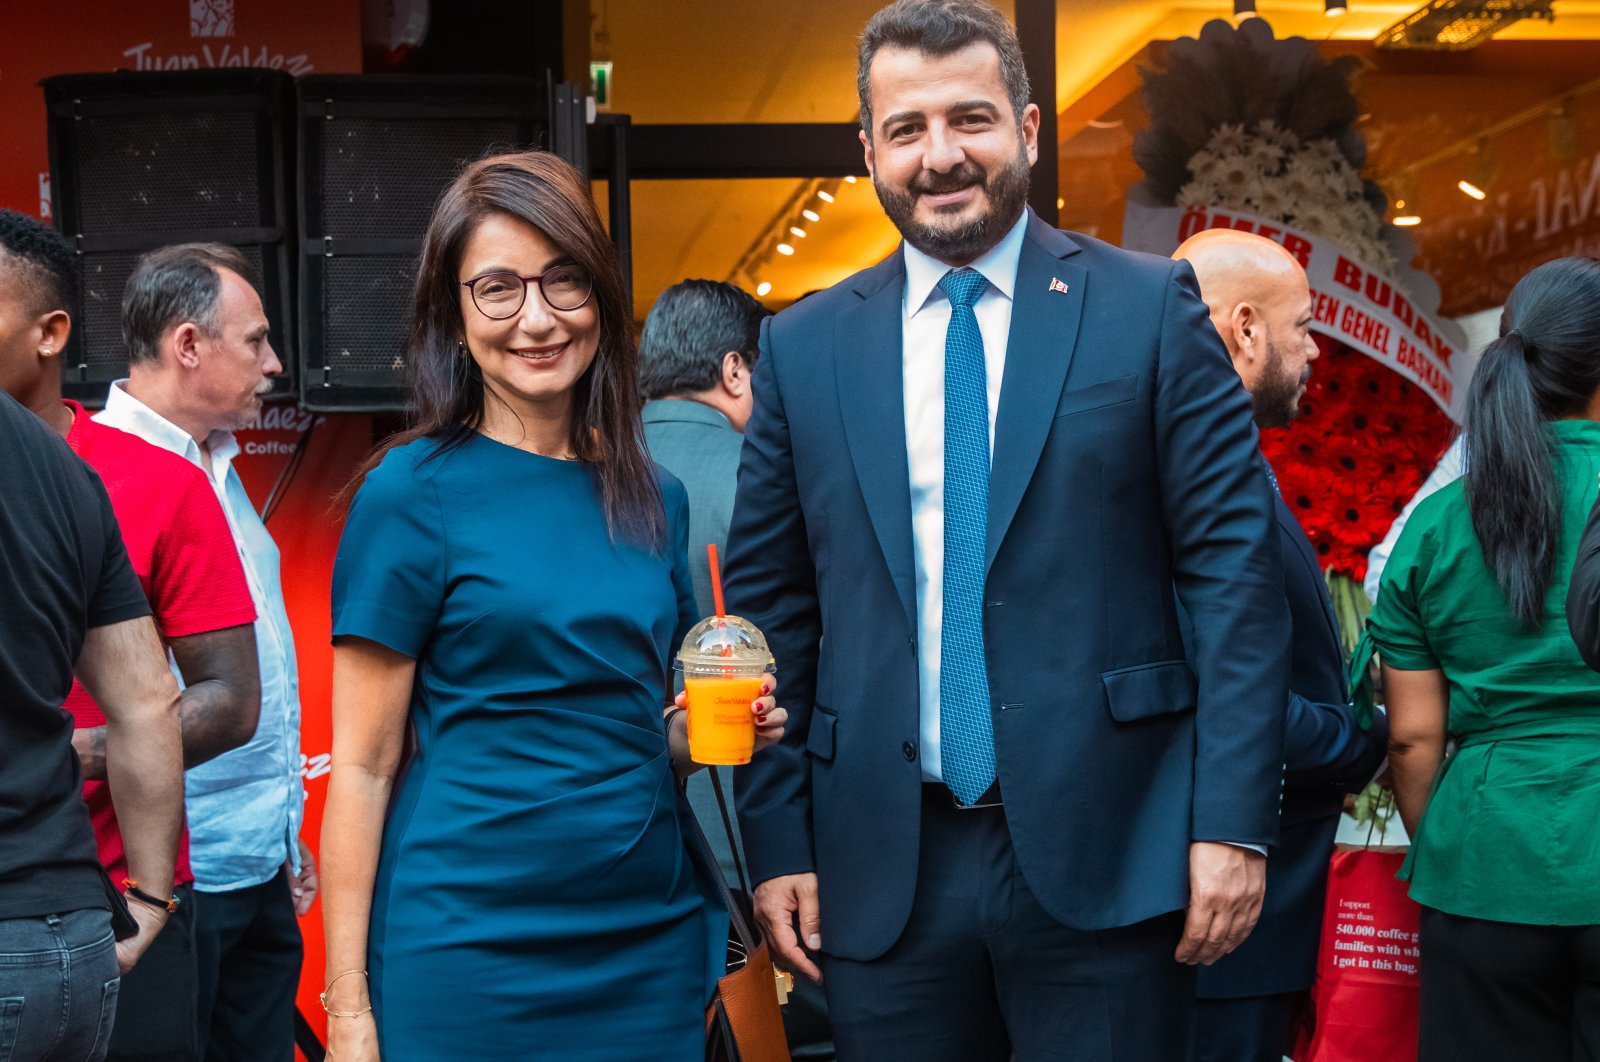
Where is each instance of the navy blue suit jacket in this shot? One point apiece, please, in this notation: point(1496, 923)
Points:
point(1325, 756)
point(1123, 470)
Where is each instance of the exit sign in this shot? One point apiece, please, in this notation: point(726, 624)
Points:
point(600, 84)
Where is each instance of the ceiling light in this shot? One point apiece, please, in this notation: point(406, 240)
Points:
point(825, 196)
point(1471, 189)
point(810, 215)
point(849, 180)
point(798, 231)
point(1456, 25)
point(1334, 8)
point(1243, 9)
point(1060, 202)
point(784, 248)
point(1405, 221)
point(763, 288)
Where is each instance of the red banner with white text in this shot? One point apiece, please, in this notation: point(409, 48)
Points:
point(1352, 302)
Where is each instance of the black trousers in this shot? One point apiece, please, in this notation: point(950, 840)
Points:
point(1499, 990)
point(983, 971)
point(156, 1006)
point(1249, 1029)
point(248, 951)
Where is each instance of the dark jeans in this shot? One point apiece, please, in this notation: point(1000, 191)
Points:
point(1501, 990)
point(247, 949)
point(156, 1012)
point(58, 986)
point(983, 971)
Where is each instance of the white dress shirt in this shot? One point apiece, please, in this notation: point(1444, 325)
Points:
point(245, 805)
point(925, 316)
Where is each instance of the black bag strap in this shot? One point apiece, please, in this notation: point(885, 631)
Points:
point(700, 851)
point(727, 829)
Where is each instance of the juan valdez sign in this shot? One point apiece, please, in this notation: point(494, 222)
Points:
point(1352, 302)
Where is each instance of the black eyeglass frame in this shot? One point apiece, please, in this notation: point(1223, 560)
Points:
point(539, 280)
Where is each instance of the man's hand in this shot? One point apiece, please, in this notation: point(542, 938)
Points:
point(302, 886)
point(779, 902)
point(151, 921)
point(1226, 884)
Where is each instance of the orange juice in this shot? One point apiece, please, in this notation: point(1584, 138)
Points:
point(722, 728)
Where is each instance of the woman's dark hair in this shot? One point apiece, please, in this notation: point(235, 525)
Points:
point(1545, 365)
point(447, 392)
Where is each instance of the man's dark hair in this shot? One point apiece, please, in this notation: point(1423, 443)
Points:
point(172, 285)
point(44, 260)
point(938, 28)
point(689, 330)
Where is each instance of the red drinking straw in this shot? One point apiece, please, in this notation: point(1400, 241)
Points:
point(716, 579)
point(716, 596)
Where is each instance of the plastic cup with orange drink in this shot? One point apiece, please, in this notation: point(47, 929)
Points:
point(723, 660)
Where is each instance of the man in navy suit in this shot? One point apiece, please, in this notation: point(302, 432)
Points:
point(1009, 814)
point(1261, 306)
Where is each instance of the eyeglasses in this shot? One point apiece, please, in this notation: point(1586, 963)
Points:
point(501, 295)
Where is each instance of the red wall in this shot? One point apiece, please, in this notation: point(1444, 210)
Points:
point(39, 40)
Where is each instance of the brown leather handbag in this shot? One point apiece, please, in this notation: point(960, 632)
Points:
point(743, 1022)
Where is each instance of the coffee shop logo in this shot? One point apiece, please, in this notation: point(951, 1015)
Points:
point(210, 18)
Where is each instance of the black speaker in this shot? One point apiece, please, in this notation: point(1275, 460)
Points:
point(143, 160)
point(375, 154)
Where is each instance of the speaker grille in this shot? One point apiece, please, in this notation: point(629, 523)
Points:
point(382, 178)
point(369, 314)
point(376, 152)
point(146, 159)
point(170, 172)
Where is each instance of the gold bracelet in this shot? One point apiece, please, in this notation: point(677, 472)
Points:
point(323, 998)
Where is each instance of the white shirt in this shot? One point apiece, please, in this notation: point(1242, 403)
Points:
point(925, 316)
point(244, 806)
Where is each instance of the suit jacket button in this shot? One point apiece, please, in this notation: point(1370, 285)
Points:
point(908, 750)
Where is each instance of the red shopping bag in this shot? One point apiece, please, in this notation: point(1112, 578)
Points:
point(1365, 1002)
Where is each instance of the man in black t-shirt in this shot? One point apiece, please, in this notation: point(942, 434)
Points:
point(70, 601)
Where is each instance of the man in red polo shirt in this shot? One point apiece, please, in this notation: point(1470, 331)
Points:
point(184, 555)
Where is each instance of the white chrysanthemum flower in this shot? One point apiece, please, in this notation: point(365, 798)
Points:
point(1234, 174)
point(1323, 154)
point(1270, 132)
point(1266, 156)
point(1203, 166)
point(1227, 139)
point(1197, 193)
point(1270, 202)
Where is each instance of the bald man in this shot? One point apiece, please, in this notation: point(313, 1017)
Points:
point(1260, 304)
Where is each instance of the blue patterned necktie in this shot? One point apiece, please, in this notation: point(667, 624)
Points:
point(966, 729)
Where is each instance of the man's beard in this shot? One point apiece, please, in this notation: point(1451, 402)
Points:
point(1276, 399)
point(1006, 192)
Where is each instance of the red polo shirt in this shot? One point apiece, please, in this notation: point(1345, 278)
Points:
point(185, 557)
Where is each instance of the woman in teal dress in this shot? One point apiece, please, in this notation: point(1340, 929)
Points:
point(1470, 626)
point(512, 581)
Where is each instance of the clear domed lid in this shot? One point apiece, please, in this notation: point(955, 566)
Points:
point(725, 641)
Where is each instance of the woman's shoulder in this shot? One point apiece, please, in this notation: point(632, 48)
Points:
point(1439, 521)
point(1442, 508)
point(403, 471)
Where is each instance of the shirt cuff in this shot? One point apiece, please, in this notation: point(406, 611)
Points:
point(1256, 848)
